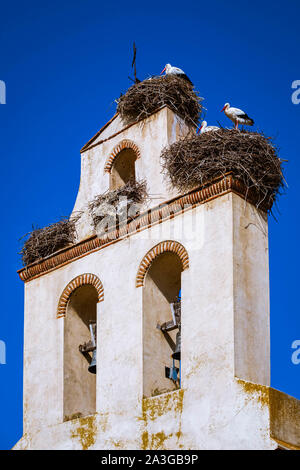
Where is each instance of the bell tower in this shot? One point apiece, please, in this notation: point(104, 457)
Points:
point(170, 309)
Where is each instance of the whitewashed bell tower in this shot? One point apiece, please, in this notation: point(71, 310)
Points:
point(211, 244)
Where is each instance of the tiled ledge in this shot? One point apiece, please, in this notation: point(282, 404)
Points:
point(147, 219)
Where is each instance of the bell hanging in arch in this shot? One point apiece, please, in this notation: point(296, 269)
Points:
point(177, 353)
point(93, 365)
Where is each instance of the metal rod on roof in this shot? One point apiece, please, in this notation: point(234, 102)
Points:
point(134, 61)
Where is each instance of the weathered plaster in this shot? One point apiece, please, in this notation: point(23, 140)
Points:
point(151, 135)
point(214, 410)
point(225, 400)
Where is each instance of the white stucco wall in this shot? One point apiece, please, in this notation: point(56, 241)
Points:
point(214, 410)
point(150, 135)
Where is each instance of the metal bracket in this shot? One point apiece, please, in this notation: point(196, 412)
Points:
point(89, 346)
point(85, 348)
point(167, 326)
point(171, 325)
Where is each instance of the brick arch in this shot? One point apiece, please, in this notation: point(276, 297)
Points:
point(124, 144)
point(160, 248)
point(82, 280)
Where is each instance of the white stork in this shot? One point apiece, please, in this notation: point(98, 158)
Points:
point(175, 71)
point(237, 116)
point(205, 128)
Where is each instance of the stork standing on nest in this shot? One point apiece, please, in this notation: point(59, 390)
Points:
point(205, 128)
point(175, 71)
point(237, 116)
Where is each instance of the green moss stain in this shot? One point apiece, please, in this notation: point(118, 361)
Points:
point(157, 392)
point(103, 422)
point(158, 439)
point(180, 401)
point(153, 408)
point(118, 445)
point(73, 416)
point(157, 406)
point(259, 392)
point(285, 419)
point(85, 432)
point(154, 441)
point(145, 440)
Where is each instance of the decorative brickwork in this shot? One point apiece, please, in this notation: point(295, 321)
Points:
point(83, 279)
point(169, 209)
point(124, 144)
point(162, 247)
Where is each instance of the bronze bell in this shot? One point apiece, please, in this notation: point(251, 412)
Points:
point(177, 353)
point(93, 365)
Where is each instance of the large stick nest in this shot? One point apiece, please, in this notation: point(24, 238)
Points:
point(118, 205)
point(144, 98)
point(42, 242)
point(249, 156)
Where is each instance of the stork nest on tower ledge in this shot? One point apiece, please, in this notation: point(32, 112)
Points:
point(143, 98)
point(43, 242)
point(116, 206)
point(250, 156)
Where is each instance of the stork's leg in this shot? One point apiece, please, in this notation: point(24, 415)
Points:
point(236, 125)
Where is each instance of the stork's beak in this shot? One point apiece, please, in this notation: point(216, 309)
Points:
point(163, 70)
point(222, 109)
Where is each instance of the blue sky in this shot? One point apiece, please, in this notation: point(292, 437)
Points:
point(64, 63)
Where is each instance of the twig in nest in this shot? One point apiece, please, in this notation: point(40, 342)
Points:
point(43, 242)
point(144, 98)
point(250, 156)
point(110, 203)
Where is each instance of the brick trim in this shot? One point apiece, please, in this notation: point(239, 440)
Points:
point(83, 279)
point(162, 247)
point(176, 206)
point(124, 144)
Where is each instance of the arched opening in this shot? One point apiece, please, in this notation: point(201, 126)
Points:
point(161, 294)
point(123, 169)
point(79, 383)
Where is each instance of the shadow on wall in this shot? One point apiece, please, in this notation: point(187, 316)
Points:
point(79, 383)
point(123, 169)
point(162, 285)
